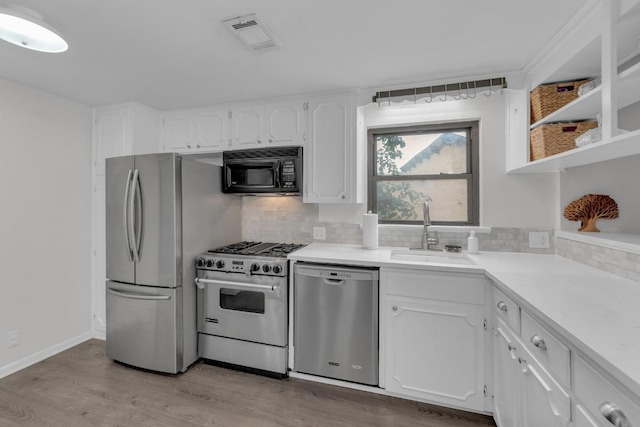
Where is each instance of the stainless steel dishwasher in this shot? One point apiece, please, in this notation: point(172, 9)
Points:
point(336, 322)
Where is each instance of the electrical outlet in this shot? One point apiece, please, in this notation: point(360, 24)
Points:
point(538, 239)
point(13, 339)
point(319, 233)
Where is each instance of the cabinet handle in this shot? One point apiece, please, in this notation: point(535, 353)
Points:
point(394, 308)
point(230, 142)
point(270, 141)
point(188, 146)
point(259, 141)
point(344, 196)
point(502, 306)
point(538, 342)
point(510, 347)
point(613, 413)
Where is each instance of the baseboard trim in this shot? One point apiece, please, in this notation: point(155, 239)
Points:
point(44, 354)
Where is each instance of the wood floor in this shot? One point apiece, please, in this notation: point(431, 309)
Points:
point(82, 387)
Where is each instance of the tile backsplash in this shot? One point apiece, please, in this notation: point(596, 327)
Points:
point(287, 219)
point(616, 261)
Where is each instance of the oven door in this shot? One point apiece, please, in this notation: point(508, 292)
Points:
point(251, 176)
point(250, 308)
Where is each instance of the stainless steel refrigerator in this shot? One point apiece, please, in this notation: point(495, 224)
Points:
point(162, 211)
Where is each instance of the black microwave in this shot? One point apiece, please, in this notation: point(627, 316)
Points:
point(276, 170)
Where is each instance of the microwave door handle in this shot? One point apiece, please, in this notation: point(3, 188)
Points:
point(127, 235)
point(278, 168)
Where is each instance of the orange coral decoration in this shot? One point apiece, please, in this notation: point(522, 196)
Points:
point(588, 209)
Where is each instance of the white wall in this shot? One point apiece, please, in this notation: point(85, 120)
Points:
point(505, 200)
point(45, 220)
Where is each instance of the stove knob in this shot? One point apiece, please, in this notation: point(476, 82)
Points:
point(209, 263)
point(277, 269)
point(200, 262)
point(266, 268)
point(255, 266)
point(220, 264)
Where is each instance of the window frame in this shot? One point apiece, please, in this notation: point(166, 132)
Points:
point(472, 176)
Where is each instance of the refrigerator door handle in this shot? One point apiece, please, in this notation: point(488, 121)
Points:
point(138, 296)
point(127, 236)
point(137, 211)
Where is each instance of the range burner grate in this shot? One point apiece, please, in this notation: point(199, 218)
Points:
point(258, 248)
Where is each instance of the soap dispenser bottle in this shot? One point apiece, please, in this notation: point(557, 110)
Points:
point(472, 243)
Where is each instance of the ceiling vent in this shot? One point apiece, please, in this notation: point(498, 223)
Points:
point(252, 32)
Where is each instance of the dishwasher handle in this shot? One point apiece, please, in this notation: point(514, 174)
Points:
point(335, 282)
point(332, 272)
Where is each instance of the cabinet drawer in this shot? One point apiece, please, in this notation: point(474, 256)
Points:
point(598, 396)
point(506, 309)
point(463, 288)
point(546, 348)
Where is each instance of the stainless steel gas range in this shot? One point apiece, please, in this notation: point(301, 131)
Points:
point(242, 305)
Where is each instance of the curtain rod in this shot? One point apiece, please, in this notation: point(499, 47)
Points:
point(448, 87)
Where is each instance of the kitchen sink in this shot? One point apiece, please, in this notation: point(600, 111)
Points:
point(431, 257)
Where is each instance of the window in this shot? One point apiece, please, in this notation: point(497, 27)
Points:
point(436, 163)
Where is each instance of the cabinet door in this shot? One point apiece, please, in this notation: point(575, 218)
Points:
point(177, 134)
point(213, 130)
point(435, 351)
point(247, 127)
point(286, 123)
point(330, 171)
point(542, 401)
point(111, 134)
point(505, 377)
point(98, 264)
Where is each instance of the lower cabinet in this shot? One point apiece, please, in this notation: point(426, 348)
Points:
point(434, 345)
point(524, 393)
point(505, 376)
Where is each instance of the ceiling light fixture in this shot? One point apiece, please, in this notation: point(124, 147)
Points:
point(24, 27)
point(252, 32)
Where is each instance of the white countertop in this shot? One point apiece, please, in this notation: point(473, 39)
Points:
point(596, 311)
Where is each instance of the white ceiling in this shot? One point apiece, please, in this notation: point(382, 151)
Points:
point(173, 54)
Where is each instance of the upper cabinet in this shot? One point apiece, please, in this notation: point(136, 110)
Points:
point(247, 127)
point(196, 132)
point(123, 129)
point(600, 42)
point(235, 127)
point(286, 123)
point(331, 156)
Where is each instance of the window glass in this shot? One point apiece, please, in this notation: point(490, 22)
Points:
point(434, 163)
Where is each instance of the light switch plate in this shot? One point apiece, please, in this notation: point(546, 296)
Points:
point(319, 233)
point(538, 239)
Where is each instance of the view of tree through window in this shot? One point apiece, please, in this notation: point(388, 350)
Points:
point(431, 163)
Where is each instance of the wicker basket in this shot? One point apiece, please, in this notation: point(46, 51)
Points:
point(554, 138)
point(545, 99)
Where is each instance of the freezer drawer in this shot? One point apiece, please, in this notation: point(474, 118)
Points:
point(142, 326)
point(336, 322)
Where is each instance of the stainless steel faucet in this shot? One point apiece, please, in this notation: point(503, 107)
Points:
point(426, 221)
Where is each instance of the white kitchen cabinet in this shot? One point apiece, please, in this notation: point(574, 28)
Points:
point(505, 378)
point(98, 271)
point(286, 123)
point(543, 402)
point(601, 400)
point(525, 394)
point(434, 327)
point(123, 129)
point(331, 155)
point(248, 127)
point(193, 132)
point(601, 40)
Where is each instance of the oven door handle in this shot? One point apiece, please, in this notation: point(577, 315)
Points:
point(201, 282)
